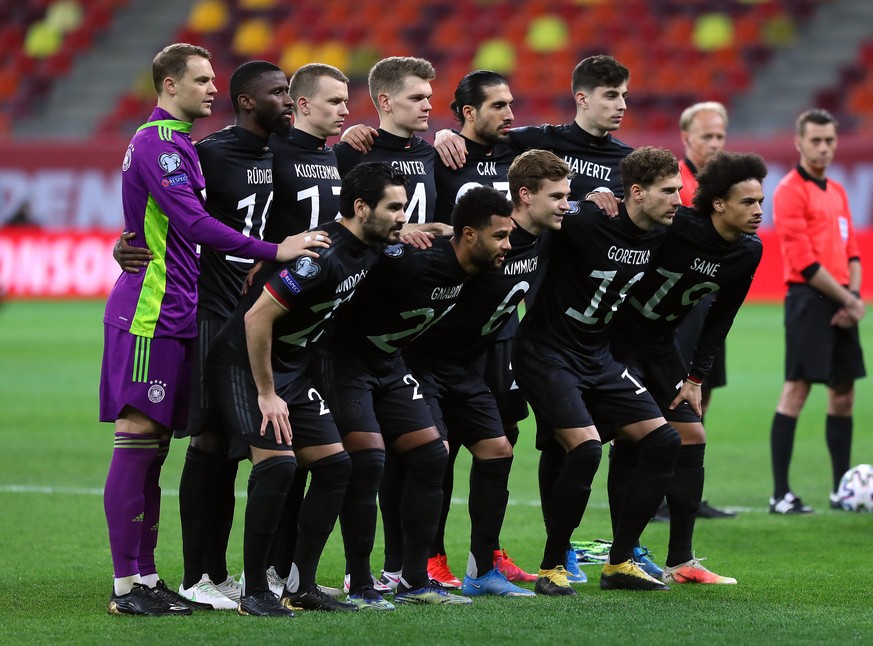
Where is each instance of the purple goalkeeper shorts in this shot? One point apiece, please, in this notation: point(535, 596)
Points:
point(151, 375)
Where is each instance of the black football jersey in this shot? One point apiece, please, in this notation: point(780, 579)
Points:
point(310, 289)
point(595, 160)
point(413, 157)
point(594, 262)
point(693, 262)
point(404, 294)
point(485, 166)
point(306, 184)
point(238, 168)
point(487, 303)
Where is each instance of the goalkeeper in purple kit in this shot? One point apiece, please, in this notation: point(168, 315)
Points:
point(150, 319)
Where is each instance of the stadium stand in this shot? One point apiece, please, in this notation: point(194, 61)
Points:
point(39, 39)
point(850, 99)
point(679, 51)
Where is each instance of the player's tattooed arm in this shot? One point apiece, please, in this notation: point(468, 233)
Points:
point(128, 257)
point(360, 137)
point(451, 148)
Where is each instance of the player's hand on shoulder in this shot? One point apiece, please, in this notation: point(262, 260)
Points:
point(436, 229)
point(302, 244)
point(417, 238)
point(275, 412)
point(451, 148)
point(128, 257)
point(605, 200)
point(360, 137)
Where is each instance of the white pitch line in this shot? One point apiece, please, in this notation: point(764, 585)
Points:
point(82, 491)
point(76, 491)
point(72, 491)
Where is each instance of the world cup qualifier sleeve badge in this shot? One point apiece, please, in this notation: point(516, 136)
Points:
point(170, 162)
point(306, 267)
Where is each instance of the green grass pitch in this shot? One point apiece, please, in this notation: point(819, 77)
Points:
point(804, 580)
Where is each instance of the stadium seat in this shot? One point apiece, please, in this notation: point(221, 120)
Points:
point(208, 16)
point(535, 42)
point(252, 38)
point(8, 83)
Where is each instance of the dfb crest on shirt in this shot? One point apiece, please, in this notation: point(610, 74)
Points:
point(156, 391)
point(395, 250)
point(306, 268)
point(127, 158)
point(170, 162)
point(574, 208)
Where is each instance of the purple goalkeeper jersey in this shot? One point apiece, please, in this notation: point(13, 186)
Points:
point(162, 190)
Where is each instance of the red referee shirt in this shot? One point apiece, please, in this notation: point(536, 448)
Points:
point(689, 182)
point(814, 225)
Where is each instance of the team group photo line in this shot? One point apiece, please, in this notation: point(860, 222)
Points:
point(349, 317)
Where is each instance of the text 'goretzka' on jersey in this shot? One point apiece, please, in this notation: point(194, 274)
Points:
point(307, 184)
point(487, 303)
point(693, 262)
point(162, 196)
point(484, 166)
point(413, 157)
point(595, 261)
point(404, 294)
point(595, 160)
point(238, 168)
point(309, 289)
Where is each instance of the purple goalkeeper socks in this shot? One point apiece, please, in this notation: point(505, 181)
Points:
point(124, 498)
point(152, 511)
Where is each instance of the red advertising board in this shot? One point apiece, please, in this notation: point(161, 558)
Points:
point(37, 263)
point(769, 284)
point(72, 193)
point(75, 263)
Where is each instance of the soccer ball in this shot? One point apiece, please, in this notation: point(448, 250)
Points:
point(855, 492)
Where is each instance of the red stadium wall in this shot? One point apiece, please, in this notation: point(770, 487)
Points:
point(71, 194)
